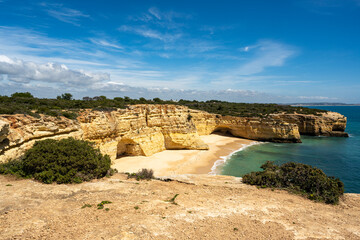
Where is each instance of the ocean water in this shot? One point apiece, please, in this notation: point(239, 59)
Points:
point(339, 157)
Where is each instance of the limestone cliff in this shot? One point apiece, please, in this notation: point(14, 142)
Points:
point(250, 128)
point(141, 130)
point(147, 129)
point(19, 132)
point(326, 124)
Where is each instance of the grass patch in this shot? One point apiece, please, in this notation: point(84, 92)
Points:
point(172, 200)
point(101, 205)
point(86, 206)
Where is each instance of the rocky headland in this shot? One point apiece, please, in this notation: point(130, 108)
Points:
point(145, 129)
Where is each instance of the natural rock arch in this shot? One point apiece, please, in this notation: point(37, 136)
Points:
point(223, 130)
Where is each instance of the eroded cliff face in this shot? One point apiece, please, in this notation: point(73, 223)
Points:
point(250, 128)
point(19, 132)
point(327, 124)
point(141, 130)
point(148, 129)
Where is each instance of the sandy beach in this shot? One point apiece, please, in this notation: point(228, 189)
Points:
point(170, 162)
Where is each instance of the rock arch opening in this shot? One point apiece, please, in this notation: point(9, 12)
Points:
point(128, 148)
point(224, 131)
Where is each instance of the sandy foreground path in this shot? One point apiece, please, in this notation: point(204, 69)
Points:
point(207, 207)
point(171, 162)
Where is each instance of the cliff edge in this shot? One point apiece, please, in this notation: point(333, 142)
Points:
point(146, 129)
point(207, 207)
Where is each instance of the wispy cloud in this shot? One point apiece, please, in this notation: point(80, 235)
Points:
point(35, 46)
point(50, 79)
point(165, 19)
point(150, 33)
point(316, 98)
point(156, 13)
point(106, 55)
point(266, 54)
point(106, 43)
point(64, 14)
point(157, 24)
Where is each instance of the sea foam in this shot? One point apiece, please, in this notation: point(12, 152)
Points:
point(223, 159)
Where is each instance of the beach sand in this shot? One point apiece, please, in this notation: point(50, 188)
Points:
point(170, 162)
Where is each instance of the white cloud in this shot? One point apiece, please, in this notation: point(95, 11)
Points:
point(155, 12)
point(26, 72)
point(316, 98)
point(64, 14)
point(165, 19)
point(245, 49)
point(106, 43)
point(49, 80)
point(267, 54)
point(34, 46)
point(150, 33)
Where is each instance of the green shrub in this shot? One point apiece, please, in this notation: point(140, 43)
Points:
point(22, 95)
point(25, 103)
point(299, 178)
point(143, 174)
point(64, 161)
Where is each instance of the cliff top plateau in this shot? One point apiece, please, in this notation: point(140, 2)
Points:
point(206, 207)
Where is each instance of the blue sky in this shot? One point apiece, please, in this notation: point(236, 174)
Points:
point(244, 51)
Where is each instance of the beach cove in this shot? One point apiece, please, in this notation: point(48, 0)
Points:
point(173, 162)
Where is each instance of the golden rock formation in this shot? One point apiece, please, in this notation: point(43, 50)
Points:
point(326, 124)
point(148, 129)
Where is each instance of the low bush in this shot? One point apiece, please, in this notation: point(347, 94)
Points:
point(143, 174)
point(65, 105)
point(299, 178)
point(64, 161)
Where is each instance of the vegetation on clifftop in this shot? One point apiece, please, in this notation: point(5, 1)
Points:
point(65, 105)
point(64, 161)
point(298, 178)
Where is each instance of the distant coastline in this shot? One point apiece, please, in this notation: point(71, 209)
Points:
point(322, 104)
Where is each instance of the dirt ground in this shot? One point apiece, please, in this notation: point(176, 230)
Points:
point(207, 207)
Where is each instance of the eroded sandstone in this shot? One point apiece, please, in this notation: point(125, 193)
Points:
point(327, 124)
point(148, 129)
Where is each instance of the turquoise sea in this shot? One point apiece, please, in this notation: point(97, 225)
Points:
point(339, 157)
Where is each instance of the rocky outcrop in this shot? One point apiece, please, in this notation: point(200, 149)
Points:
point(250, 128)
point(325, 124)
point(4, 130)
point(141, 130)
point(19, 132)
point(148, 129)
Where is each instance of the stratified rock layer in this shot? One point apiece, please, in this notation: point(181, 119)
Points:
point(327, 124)
point(19, 132)
point(251, 128)
point(141, 130)
point(148, 129)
